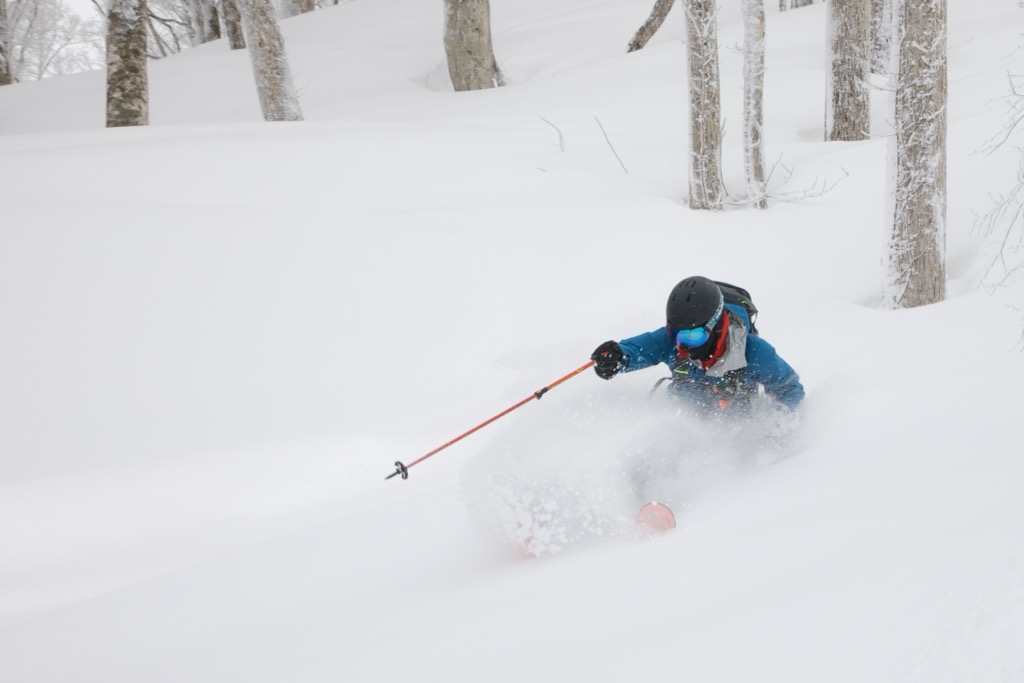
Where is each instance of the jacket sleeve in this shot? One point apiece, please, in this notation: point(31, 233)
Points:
point(780, 381)
point(647, 349)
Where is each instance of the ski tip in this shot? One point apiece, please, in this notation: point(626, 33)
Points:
point(655, 518)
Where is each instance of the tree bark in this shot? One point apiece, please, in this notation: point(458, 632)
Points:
point(127, 80)
point(848, 111)
point(468, 46)
point(706, 190)
point(881, 37)
point(651, 26)
point(278, 98)
point(203, 20)
point(232, 20)
point(5, 63)
point(212, 19)
point(295, 7)
point(917, 249)
point(753, 101)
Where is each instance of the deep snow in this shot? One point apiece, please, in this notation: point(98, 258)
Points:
point(217, 335)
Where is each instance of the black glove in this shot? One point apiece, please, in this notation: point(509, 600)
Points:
point(607, 359)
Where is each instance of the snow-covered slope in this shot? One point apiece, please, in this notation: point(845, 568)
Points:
point(218, 335)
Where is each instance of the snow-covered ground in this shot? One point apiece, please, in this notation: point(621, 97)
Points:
point(217, 336)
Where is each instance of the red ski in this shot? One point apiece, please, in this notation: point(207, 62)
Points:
point(655, 518)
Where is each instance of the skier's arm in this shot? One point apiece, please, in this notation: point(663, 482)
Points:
point(779, 379)
point(647, 349)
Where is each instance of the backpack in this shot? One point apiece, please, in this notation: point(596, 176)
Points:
point(741, 297)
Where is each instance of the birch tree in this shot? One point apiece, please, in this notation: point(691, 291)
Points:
point(5, 63)
point(468, 46)
point(847, 110)
point(45, 39)
point(291, 8)
point(127, 80)
point(881, 36)
point(1007, 216)
point(651, 26)
point(706, 190)
point(915, 268)
point(176, 25)
point(753, 101)
point(204, 20)
point(232, 20)
point(278, 98)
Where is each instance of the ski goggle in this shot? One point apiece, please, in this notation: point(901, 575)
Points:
point(691, 339)
point(697, 336)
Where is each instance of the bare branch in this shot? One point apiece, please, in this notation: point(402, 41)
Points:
point(561, 138)
point(651, 26)
point(610, 145)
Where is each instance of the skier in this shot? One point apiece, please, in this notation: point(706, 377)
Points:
point(717, 359)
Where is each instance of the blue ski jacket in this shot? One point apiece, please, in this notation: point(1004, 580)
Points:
point(735, 378)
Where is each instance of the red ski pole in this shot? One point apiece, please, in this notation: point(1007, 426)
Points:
point(403, 470)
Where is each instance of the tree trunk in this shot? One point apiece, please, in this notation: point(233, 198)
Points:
point(651, 26)
point(847, 112)
point(881, 37)
point(705, 106)
point(5, 64)
point(293, 8)
point(127, 82)
point(468, 47)
point(232, 21)
point(753, 101)
point(278, 98)
point(204, 21)
point(212, 19)
point(917, 250)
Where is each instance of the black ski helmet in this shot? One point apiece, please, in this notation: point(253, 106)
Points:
point(694, 302)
